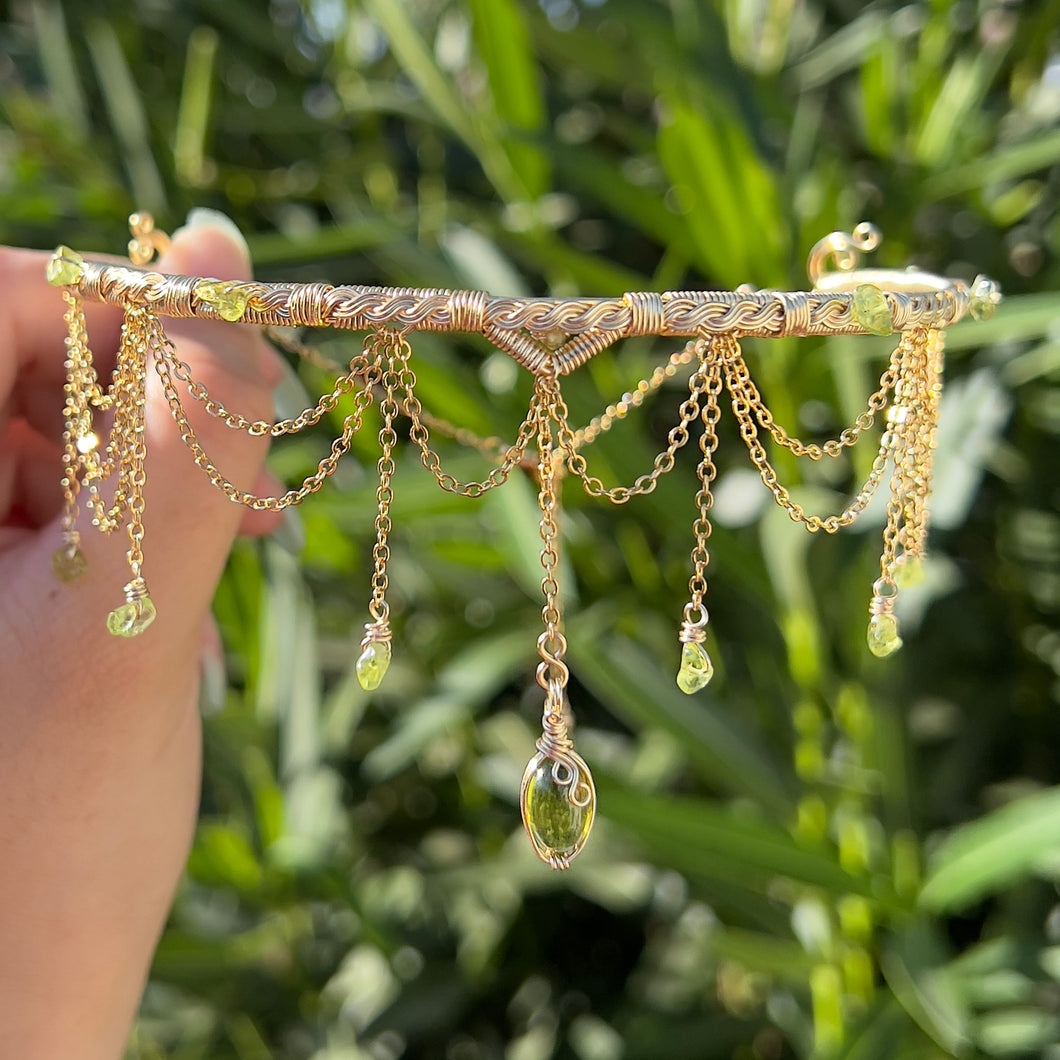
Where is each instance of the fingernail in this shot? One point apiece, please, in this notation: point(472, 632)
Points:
point(202, 220)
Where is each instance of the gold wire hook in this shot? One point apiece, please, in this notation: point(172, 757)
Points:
point(147, 241)
point(844, 249)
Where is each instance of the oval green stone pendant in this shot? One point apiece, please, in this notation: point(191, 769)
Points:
point(372, 664)
point(871, 310)
point(883, 636)
point(228, 298)
point(132, 618)
point(696, 668)
point(558, 803)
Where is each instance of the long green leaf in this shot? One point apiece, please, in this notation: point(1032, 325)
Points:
point(504, 44)
point(993, 852)
point(707, 842)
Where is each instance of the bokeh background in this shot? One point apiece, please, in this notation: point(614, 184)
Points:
point(823, 855)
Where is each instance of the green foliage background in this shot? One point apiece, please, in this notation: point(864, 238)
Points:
point(823, 855)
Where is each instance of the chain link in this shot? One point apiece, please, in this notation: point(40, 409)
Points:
point(740, 382)
point(706, 472)
point(552, 671)
point(387, 345)
point(165, 360)
point(830, 524)
point(664, 462)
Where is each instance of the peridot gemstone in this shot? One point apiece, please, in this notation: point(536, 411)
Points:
point(132, 618)
point(557, 825)
point(908, 571)
point(696, 668)
point(228, 298)
point(372, 664)
point(65, 267)
point(986, 295)
point(68, 563)
point(883, 636)
point(871, 311)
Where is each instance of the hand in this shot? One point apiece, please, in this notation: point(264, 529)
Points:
point(99, 736)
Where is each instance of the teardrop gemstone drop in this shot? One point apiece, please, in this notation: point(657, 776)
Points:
point(68, 563)
point(558, 805)
point(132, 617)
point(696, 668)
point(883, 635)
point(372, 664)
point(908, 571)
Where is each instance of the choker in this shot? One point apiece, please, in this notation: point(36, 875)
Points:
point(550, 338)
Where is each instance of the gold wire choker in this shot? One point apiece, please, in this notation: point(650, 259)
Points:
point(550, 338)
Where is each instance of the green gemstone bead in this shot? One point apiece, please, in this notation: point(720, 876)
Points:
point(372, 664)
point(883, 636)
point(871, 311)
point(696, 668)
point(558, 827)
point(68, 563)
point(986, 295)
point(908, 571)
point(229, 299)
point(132, 618)
point(65, 267)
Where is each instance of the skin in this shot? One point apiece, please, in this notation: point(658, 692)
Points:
point(100, 761)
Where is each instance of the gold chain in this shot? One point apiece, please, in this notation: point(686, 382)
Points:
point(664, 461)
point(385, 470)
point(729, 352)
point(706, 472)
point(740, 382)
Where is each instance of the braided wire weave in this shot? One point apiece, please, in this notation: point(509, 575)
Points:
point(520, 326)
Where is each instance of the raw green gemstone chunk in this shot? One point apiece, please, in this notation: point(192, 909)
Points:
point(986, 295)
point(132, 618)
point(372, 664)
point(908, 571)
point(68, 563)
point(871, 311)
point(558, 827)
point(696, 668)
point(229, 299)
point(883, 635)
point(65, 267)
